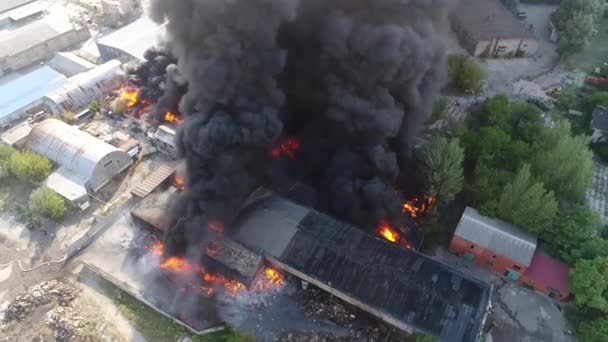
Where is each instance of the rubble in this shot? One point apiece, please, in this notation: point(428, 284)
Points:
point(64, 322)
point(319, 305)
point(38, 295)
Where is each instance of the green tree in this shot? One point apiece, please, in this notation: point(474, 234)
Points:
point(596, 98)
point(564, 163)
point(47, 202)
point(593, 248)
point(443, 169)
point(439, 109)
point(569, 7)
point(487, 185)
point(94, 106)
point(487, 144)
point(576, 34)
point(527, 204)
point(5, 158)
point(593, 331)
point(589, 283)
point(471, 77)
point(571, 230)
point(29, 166)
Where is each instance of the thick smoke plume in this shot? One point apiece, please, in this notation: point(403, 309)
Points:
point(350, 80)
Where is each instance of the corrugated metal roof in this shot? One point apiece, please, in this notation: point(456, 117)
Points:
point(153, 181)
point(499, 236)
point(6, 5)
point(67, 184)
point(135, 38)
point(28, 88)
point(30, 35)
point(77, 151)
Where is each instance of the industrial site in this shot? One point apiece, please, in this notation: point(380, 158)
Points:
point(303, 170)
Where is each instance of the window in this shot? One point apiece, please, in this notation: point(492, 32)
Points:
point(108, 163)
point(517, 268)
point(472, 246)
point(494, 256)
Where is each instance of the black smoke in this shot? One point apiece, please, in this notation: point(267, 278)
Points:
point(352, 80)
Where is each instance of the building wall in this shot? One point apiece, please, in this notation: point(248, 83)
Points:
point(43, 51)
point(23, 113)
point(505, 47)
point(484, 257)
point(543, 288)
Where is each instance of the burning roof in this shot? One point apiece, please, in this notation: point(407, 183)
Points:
point(406, 289)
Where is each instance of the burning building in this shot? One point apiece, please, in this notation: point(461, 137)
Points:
point(326, 95)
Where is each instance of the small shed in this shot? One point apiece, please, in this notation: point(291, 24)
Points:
point(493, 243)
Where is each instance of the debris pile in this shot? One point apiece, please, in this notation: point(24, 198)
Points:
point(38, 295)
point(64, 322)
point(325, 337)
point(319, 305)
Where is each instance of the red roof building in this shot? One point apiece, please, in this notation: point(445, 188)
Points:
point(547, 275)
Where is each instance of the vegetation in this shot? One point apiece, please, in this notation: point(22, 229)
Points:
point(420, 337)
point(439, 109)
point(465, 74)
point(47, 202)
point(157, 328)
point(30, 167)
point(443, 168)
point(6, 153)
point(593, 331)
point(575, 21)
point(94, 106)
point(589, 281)
point(68, 116)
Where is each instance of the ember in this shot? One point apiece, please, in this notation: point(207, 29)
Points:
point(216, 226)
point(286, 148)
point(179, 182)
point(170, 117)
point(419, 206)
point(268, 280)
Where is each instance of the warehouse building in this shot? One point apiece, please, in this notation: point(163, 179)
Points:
point(37, 41)
point(23, 96)
point(79, 90)
point(85, 163)
point(507, 250)
point(486, 28)
point(131, 42)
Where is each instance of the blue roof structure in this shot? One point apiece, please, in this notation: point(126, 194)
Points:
point(28, 88)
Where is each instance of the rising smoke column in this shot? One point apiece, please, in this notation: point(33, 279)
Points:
point(352, 80)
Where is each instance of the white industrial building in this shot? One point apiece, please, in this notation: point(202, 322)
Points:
point(131, 42)
point(23, 96)
point(86, 163)
point(79, 90)
point(36, 41)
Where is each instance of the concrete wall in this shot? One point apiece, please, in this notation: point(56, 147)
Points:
point(514, 47)
point(43, 51)
point(484, 257)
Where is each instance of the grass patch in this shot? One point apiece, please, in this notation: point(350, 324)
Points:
point(158, 328)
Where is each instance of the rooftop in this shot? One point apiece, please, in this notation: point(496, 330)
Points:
point(600, 118)
point(30, 35)
point(496, 235)
point(488, 19)
point(6, 5)
point(399, 284)
point(135, 38)
point(548, 271)
point(28, 88)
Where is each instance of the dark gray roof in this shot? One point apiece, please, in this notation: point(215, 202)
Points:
point(600, 118)
point(488, 19)
point(496, 235)
point(401, 284)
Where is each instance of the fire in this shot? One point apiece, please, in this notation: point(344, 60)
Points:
point(216, 226)
point(390, 234)
point(170, 117)
point(129, 96)
point(287, 148)
point(387, 232)
point(179, 182)
point(418, 206)
point(211, 283)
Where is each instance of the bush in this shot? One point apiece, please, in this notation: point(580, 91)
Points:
point(94, 106)
point(30, 167)
point(68, 116)
point(465, 74)
point(47, 202)
point(439, 109)
point(5, 158)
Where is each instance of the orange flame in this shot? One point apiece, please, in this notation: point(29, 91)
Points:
point(269, 279)
point(387, 231)
point(179, 182)
point(216, 226)
point(417, 207)
point(287, 148)
point(170, 117)
point(129, 96)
